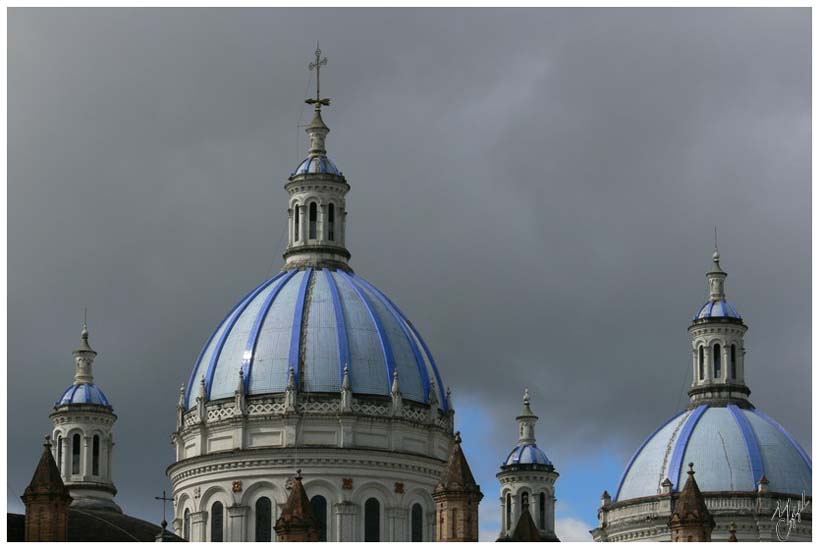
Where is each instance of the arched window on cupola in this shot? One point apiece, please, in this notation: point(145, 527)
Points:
point(734, 362)
point(372, 520)
point(319, 505)
point(296, 222)
point(264, 520)
point(525, 500)
point(331, 222)
point(95, 456)
point(75, 454)
point(416, 523)
point(701, 374)
point(542, 513)
point(186, 525)
point(312, 219)
point(716, 359)
point(217, 519)
point(508, 512)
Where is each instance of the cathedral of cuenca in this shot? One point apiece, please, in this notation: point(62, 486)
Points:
point(316, 412)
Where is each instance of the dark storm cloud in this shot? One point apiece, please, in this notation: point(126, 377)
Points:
point(536, 188)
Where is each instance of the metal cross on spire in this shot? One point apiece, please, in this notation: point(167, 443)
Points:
point(317, 65)
point(164, 499)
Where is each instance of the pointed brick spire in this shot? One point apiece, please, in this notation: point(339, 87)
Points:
point(691, 520)
point(525, 530)
point(457, 496)
point(47, 500)
point(297, 522)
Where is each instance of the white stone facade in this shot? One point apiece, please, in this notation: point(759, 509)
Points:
point(376, 450)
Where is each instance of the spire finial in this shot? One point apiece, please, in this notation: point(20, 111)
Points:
point(716, 254)
point(691, 470)
point(47, 442)
point(457, 438)
point(526, 396)
point(84, 334)
point(317, 65)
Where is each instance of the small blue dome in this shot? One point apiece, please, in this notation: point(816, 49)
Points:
point(731, 448)
point(83, 394)
point(317, 321)
point(717, 308)
point(528, 453)
point(317, 165)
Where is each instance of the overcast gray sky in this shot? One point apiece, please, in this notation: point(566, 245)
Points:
point(535, 188)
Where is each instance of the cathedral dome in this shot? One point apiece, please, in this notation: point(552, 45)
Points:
point(528, 453)
point(717, 308)
point(317, 165)
point(83, 394)
point(316, 321)
point(731, 447)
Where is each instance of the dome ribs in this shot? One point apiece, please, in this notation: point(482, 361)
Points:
point(341, 327)
point(253, 337)
point(422, 367)
point(192, 379)
point(209, 376)
point(752, 445)
point(782, 430)
point(389, 360)
point(294, 359)
point(676, 462)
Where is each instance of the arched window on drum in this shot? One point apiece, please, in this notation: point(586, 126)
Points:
point(319, 505)
point(372, 520)
point(217, 522)
point(416, 523)
point(264, 519)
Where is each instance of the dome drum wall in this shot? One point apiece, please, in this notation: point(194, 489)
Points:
point(345, 478)
point(86, 472)
point(317, 217)
point(646, 519)
point(372, 423)
point(718, 361)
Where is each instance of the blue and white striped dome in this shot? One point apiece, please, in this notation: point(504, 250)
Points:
point(317, 321)
point(528, 453)
point(83, 394)
point(717, 308)
point(731, 448)
point(317, 165)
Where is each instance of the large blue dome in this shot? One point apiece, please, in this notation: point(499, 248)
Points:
point(731, 447)
point(316, 321)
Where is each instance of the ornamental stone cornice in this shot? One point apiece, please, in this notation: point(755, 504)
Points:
point(234, 460)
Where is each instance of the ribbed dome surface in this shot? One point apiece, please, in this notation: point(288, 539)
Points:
point(317, 321)
point(717, 308)
point(528, 453)
point(317, 165)
point(732, 448)
point(85, 394)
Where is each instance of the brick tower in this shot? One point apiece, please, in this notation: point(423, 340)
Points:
point(47, 500)
point(457, 496)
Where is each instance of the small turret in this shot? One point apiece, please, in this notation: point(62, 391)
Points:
point(47, 501)
point(691, 520)
point(297, 523)
point(457, 497)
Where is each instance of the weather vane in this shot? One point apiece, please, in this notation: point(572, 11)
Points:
point(319, 101)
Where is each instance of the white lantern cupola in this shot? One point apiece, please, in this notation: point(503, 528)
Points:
point(83, 421)
point(527, 480)
point(317, 189)
point(718, 354)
